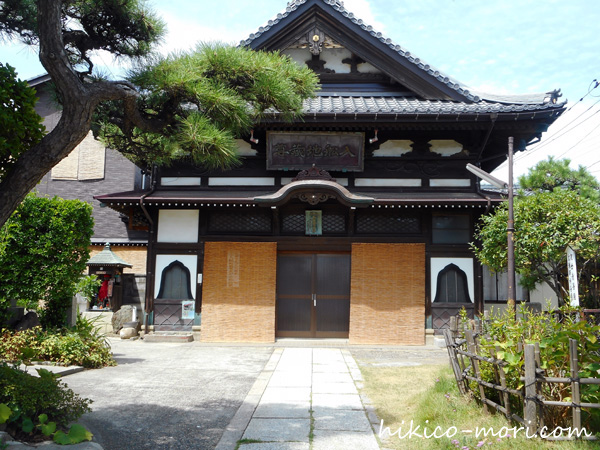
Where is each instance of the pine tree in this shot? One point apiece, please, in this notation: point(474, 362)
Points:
point(196, 115)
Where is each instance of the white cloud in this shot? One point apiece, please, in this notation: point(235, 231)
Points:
point(363, 10)
point(184, 33)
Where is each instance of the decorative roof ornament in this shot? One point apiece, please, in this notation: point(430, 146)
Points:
point(314, 173)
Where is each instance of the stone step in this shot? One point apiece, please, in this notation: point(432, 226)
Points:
point(158, 336)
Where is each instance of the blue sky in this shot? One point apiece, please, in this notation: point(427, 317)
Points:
point(508, 46)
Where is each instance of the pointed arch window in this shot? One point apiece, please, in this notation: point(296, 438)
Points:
point(175, 282)
point(452, 286)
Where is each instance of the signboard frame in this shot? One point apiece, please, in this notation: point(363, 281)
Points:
point(325, 150)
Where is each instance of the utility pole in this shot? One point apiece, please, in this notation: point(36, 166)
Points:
point(510, 229)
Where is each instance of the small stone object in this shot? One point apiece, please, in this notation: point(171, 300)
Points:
point(121, 316)
point(28, 321)
point(4, 437)
point(128, 333)
point(135, 325)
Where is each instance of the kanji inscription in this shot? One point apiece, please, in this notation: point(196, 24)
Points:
point(329, 151)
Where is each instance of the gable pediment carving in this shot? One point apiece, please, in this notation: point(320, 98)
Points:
point(315, 39)
point(318, 26)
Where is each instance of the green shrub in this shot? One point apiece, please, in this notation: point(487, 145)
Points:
point(31, 397)
point(80, 345)
point(46, 245)
point(505, 338)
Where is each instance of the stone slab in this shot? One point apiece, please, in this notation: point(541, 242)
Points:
point(61, 371)
point(330, 368)
point(335, 377)
point(334, 388)
point(169, 337)
point(278, 430)
point(336, 440)
point(284, 394)
point(341, 420)
point(336, 401)
point(289, 410)
point(290, 379)
point(276, 446)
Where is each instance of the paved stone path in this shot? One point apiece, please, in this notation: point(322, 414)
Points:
point(303, 393)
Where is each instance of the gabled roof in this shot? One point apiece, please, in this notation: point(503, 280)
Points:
point(401, 65)
point(332, 104)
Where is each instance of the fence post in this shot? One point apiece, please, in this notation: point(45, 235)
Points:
point(454, 327)
point(530, 407)
point(538, 362)
point(575, 392)
point(475, 364)
point(505, 396)
point(454, 361)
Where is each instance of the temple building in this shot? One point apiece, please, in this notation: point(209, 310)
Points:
point(353, 222)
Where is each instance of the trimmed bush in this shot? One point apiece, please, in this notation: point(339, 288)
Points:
point(79, 345)
point(28, 397)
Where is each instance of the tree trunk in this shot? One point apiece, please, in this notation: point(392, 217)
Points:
point(79, 100)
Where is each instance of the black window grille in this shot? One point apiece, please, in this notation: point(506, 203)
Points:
point(394, 222)
point(243, 222)
point(293, 223)
point(334, 223)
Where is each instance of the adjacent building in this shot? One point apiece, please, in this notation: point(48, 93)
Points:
point(92, 169)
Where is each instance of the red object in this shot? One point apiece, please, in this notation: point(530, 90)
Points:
point(103, 293)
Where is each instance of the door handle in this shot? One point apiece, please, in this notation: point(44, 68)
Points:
point(314, 299)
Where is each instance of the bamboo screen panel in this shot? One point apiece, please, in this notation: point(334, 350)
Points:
point(238, 294)
point(387, 303)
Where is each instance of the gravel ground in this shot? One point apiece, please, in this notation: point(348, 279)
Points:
point(181, 396)
point(167, 396)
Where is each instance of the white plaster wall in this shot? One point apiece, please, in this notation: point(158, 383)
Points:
point(241, 181)
point(333, 58)
point(189, 261)
point(544, 294)
point(340, 181)
point(450, 182)
point(445, 147)
point(300, 55)
point(244, 149)
point(464, 264)
point(387, 182)
point(178, 225)
point(394, 148)
point(180, 181)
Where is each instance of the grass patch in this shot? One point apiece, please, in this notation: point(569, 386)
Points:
point(428, 396)
point(247, 441)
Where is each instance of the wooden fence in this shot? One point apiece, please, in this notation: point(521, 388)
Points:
point(465, 364)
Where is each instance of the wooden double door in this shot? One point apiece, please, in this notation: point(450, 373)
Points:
point(313, 295)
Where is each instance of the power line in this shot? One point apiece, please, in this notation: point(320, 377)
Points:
point(562, 133)
point(581, 140)
point(572, 147)
point(593, 85)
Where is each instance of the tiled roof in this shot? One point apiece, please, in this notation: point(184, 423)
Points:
point(219, 197)
point(410, 105)
point(462, 89)
point(107, 258)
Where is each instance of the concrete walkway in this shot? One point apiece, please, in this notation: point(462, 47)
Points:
point(304, 396)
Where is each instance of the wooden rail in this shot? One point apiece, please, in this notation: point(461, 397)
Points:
point(465, 365)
